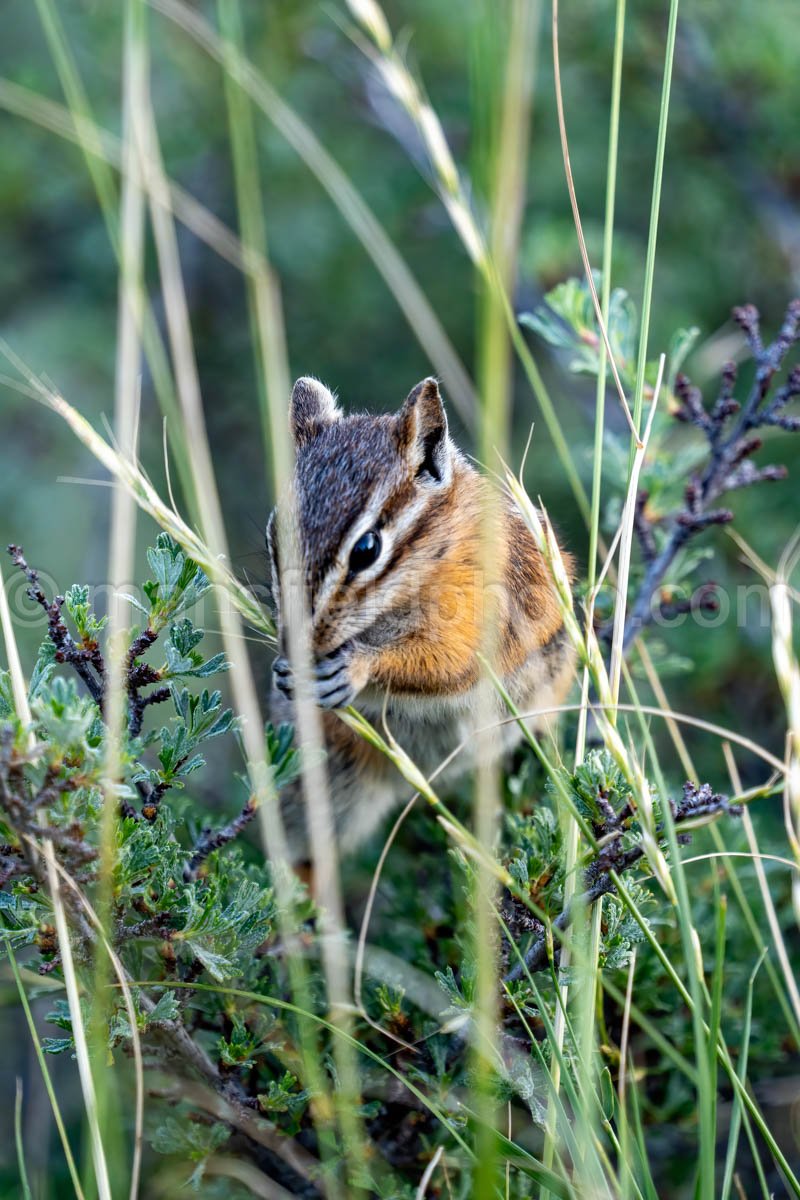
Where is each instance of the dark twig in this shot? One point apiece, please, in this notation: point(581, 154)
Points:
point(138, 704)
point(600, 877)
point(729, 429)
point(139, 675)
point(209, 841)
point(87, 660)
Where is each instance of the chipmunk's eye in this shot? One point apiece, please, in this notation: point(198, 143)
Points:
point(365, 552)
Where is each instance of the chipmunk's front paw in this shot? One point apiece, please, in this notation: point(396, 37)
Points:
point(333, 684)
point(284, 677)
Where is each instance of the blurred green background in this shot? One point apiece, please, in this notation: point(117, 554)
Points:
point(729, 233)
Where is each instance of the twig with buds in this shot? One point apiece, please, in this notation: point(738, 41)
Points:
point(87, 660)
point(729, 428)
point(699, 803)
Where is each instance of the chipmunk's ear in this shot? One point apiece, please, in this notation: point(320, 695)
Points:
point(312, 408)
point(422, 432)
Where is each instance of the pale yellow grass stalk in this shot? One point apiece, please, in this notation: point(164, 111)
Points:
point(758, 564)
point(763, 886)
point(130, 476)
point(257, 1183)
point(404, 87)
point(46, 1077)
point(454, 195)
point(591, 656)
point(788, 673)
point(395, 753)
point(428, 1175)
point(124, 983)
point(78, 1031)
point(122, 539)
point(188, 386)
point(415, 306)
point(507, 164)
point(271, 353)
point(626, 1025)
point(626, 542)
point(100, 142)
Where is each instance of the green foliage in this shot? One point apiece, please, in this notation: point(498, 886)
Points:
point(65, 718)
point(177, 585)
point(222, 927)
point(83, 618)
point(191, 1141)
point(167, 928)
point(732, 159)
point(237, 1049)
point(286, 1100)
point(199, 719)
point(567, 320)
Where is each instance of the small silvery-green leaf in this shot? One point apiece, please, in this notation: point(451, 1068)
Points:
point(165, 1010)
point(134, 603)
point(284, 758)
point(544, 323)
point(212, 666)
point(680, 346)
point(622, 331)
point(6, 696)
point(167, 563)
point(76, 601)
point(239, 1048)
point(191, 764)
point(43, 670)
point(285, 1097)
point(217, 965)
point(64, 717)
point(518, 869)
point(194, 1140)
point(60, 1015)
point(184, 636)
point(57, 1045)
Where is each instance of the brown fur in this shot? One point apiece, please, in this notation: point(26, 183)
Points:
point(459, 575)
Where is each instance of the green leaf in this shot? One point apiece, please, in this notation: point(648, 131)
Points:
point(57, 1045)
point(185, 636)
point(283, 756)
point(76, 600)
point(284, 1096)
point(237, 1050)
point(7, 708)
point(43, 670)
point(167, 563)
point(194, 1140)
point(65, 717)
point(681, 344)
point(165, 1010)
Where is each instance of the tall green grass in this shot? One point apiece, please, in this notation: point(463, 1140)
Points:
point(595, 1143)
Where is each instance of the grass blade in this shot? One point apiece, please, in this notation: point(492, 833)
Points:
point(23, 1171)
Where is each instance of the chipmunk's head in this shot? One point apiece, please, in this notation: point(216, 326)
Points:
point(368, 492)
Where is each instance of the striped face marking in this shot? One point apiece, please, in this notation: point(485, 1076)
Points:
point(363, 489)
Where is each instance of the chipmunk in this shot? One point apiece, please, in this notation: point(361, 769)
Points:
point(390, 518)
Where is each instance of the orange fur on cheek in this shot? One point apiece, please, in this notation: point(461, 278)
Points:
point(440, 656)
